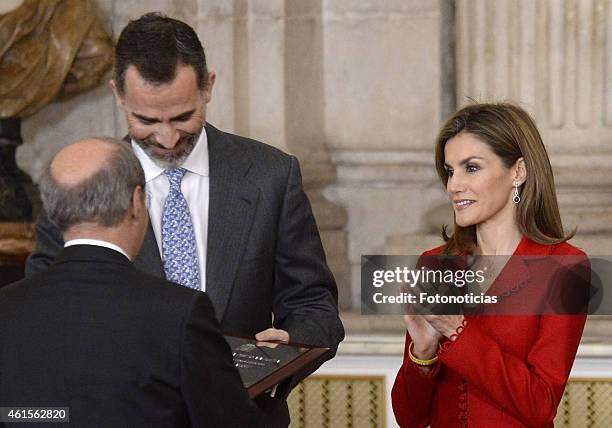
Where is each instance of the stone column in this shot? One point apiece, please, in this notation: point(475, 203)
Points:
point(305, 131)
point(215, 24)
point(382, 109)
point(554, 58)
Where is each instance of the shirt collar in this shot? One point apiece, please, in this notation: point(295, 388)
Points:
point(196, 162)
point(97, 243)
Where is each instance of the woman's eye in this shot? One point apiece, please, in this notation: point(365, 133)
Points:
point(471, 168)
point(449, 172)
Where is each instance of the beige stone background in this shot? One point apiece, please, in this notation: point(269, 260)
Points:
point(357, 89)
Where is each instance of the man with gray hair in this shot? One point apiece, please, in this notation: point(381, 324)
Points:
point(116, 346)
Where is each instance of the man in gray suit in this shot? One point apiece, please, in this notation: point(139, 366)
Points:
point(228, 214)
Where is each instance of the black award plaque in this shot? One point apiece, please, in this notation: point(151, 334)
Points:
point(262, 365)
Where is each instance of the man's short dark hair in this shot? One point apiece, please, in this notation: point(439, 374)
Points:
point(103, 198)
point(155, 45)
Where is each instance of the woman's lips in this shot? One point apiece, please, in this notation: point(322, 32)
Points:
point(462, 204)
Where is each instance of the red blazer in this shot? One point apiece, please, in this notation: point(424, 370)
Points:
point(501, 371)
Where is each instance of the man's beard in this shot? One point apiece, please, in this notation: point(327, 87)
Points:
point(184, 146)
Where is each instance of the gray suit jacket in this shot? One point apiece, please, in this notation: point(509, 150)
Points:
point(265, 264)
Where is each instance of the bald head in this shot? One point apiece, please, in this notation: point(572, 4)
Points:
point(91, 181)
point(82, 160)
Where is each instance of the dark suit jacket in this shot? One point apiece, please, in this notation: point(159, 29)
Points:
point(265, 264)
point(117, 346)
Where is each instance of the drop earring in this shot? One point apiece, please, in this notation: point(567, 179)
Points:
point(516, 198)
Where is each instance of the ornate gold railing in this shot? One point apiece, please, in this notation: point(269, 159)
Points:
point(360, 401)
point(586, 403)
point(339, 401)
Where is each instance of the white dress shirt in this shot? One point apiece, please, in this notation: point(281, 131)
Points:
point(97, 243)
point(194, 186)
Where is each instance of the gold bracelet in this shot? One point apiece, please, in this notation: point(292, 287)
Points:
point(418, 361)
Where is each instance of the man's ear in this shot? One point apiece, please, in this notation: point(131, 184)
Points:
point(118, 97)
point(138, 208)
point(520, 171)
point(210, 81)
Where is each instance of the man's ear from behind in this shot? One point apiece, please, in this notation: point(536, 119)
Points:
point(138, 218)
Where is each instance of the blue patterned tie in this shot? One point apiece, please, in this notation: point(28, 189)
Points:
point(178, 238)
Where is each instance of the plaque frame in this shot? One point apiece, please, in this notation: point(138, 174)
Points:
point(294, 366)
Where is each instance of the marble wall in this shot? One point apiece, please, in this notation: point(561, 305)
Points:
point(357, 89)
point(382, 110)
point(555, 59)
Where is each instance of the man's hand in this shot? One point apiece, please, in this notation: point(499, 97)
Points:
point(272, 334)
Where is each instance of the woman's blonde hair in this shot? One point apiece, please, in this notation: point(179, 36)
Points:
point(511, 134)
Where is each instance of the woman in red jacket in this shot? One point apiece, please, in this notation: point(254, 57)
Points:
point(491, 370)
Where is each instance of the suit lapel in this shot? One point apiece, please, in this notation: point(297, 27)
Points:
point(232, 204)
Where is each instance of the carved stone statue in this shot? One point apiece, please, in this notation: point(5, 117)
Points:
point(50, 48)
